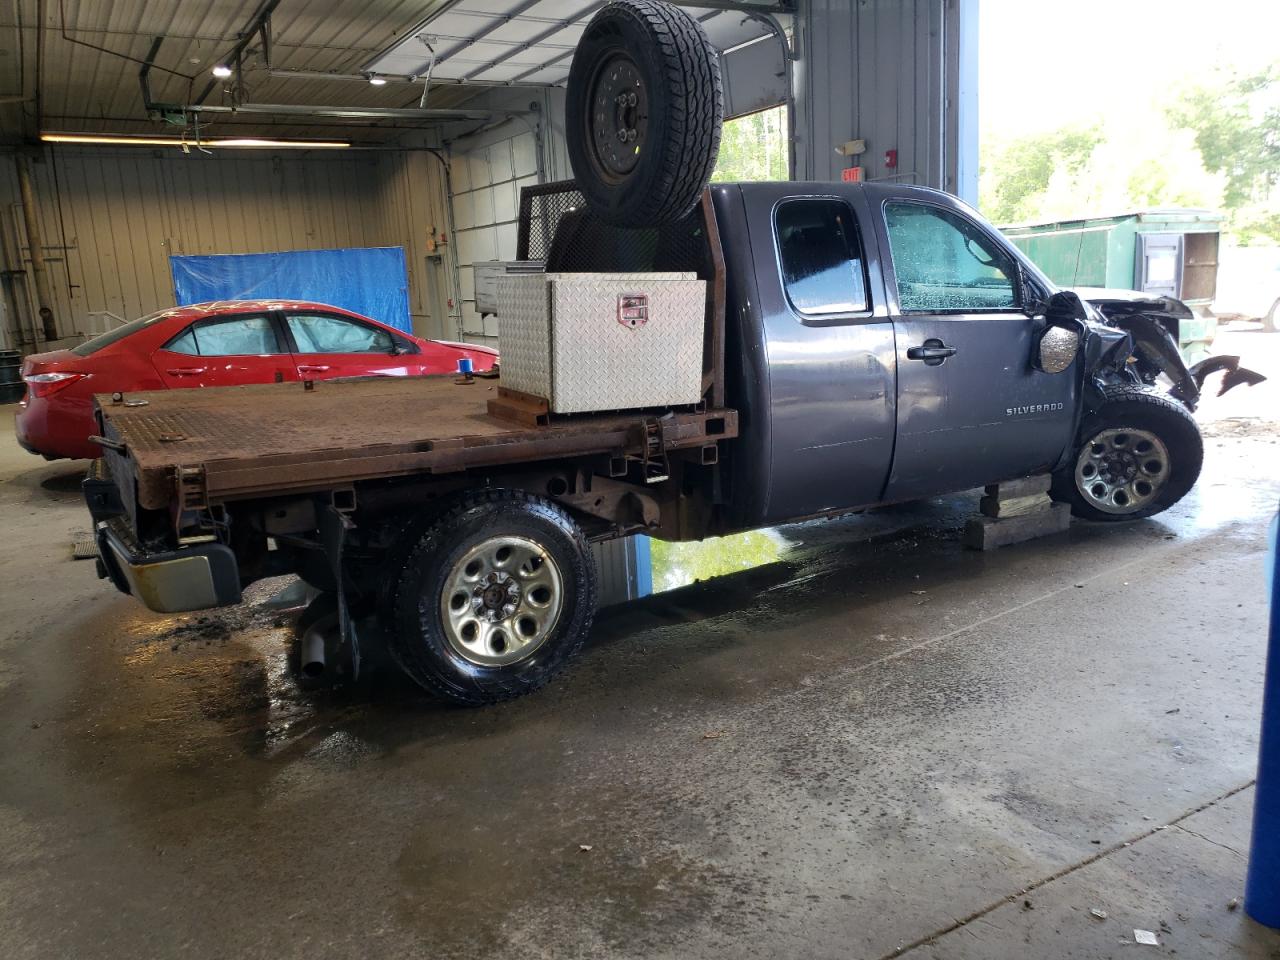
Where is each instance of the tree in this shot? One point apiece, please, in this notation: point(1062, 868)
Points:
point(754, 147)
point(1236, 124)
point(1237, 130)
point(1140, 164)
point(1012, 177)
point(1216, 146)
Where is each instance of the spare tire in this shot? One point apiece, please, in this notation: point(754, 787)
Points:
point(644, 107)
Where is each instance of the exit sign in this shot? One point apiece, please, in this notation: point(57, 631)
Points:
point(851, 174)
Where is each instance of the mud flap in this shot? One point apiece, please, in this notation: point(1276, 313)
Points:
point(333, 534)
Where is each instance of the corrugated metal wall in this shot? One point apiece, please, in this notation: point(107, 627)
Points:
point(488, 171)
point(885, 71)
point(487, 177)
point(110, 219)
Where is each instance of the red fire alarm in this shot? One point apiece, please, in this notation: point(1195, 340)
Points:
point(851, 174)
point(891, 158)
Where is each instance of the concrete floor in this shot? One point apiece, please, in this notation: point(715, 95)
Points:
point(864, 748)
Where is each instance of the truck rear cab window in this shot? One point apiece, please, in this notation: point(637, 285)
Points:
point(821, 258)
point(943, 263)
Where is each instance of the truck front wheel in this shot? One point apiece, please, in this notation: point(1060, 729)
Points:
point(1138, 454)
point(494, 597)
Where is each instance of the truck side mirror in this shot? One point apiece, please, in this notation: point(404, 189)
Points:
point(1056, 349)
point(1059, 342)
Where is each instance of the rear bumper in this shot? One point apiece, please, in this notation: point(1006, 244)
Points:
point(56, 431)
point(193, 578)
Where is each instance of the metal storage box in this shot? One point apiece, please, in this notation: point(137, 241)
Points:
point(603, 341)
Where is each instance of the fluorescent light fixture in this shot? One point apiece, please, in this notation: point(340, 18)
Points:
point(212, 143)
point(377, 81)
point(222, 70)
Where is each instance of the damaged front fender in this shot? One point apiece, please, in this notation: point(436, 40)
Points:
point(1152, 329)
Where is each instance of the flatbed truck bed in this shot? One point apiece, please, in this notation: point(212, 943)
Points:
point(242, 442)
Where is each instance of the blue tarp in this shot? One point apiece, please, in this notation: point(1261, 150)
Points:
point(366, 280)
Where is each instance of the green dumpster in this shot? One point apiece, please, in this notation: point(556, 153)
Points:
point(1162, 252)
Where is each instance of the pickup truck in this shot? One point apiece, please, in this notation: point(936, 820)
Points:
point(864, 344)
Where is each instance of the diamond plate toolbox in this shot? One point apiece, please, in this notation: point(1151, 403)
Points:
point(603, 341)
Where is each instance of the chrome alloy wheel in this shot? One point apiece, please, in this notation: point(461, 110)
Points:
point(1121, 470)
point(501, 600)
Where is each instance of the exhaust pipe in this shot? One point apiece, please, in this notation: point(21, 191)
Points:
point(311, 660)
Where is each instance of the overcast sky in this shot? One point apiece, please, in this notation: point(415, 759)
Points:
point(1046, 63)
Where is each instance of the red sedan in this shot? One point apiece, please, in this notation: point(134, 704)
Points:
point(221, 344)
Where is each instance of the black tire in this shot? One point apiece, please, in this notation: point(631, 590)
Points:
point(1129, 407)
point(418, 638)
point(659, 175)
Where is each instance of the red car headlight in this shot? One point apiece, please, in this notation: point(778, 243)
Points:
point(47, 384)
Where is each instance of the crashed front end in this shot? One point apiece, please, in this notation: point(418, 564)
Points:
point(1134, 336)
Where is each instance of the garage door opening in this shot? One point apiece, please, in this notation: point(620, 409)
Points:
point(755, 147)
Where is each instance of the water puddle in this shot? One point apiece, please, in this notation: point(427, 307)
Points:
point(680, 564)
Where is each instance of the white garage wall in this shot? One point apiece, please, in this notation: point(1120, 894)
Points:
point(487, 174)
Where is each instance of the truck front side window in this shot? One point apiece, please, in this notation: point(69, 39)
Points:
point(945, 264)
point(820, 257)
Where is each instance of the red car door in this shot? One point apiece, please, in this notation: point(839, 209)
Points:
point(224, 351)
point(328, 345)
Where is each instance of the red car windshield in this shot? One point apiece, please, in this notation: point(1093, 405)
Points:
point(119, 333)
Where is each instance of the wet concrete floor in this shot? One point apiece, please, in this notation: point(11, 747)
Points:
point(870, 744)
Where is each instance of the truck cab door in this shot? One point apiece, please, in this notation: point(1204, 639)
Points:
point(971, 407)
point(813, 326)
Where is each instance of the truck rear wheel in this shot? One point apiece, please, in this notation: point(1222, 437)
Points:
point(643, 107)
point(1138, 454)
point(495, 596)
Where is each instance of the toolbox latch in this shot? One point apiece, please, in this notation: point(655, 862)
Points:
point(633, 309)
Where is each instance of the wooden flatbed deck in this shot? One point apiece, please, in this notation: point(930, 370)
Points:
point(288, 437)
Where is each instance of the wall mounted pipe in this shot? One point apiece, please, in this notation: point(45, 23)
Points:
point(44, 293)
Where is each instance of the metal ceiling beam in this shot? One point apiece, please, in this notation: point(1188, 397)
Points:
point(284, 74)
point(350, 113)
point(534, 41)
point(261, 17)
point(740, 6)
point(442, 8)
point(493, 27)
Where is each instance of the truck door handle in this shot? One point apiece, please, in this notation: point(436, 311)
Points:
point(313, 367)
point(185, 371)
point(932, 352)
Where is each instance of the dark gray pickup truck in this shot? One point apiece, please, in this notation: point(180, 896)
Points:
point(863, 344)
